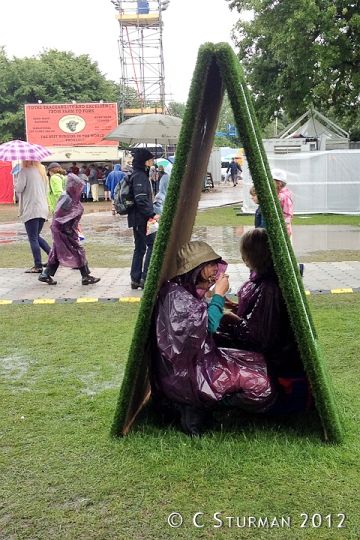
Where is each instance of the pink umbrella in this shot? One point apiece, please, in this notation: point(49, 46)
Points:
point(22, 151)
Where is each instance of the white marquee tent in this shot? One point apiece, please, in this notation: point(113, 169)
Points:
point(320, 182)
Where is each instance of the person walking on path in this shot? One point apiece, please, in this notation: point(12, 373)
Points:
point(234, 169)
point(57, 182)
point(139, 214)
point(32, 186)
point(67, 249)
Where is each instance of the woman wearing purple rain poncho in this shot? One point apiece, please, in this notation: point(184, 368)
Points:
point(188, 368)
point(67, 249)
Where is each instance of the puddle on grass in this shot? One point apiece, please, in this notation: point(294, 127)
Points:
point(93, 386)
point(106, 229)
point(14, 367)
point(12, 232)
point(14, 370)
point(224, 240)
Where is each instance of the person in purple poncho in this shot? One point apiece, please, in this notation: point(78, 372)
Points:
point(67, 249)
point(260, 322)
point(189, 369)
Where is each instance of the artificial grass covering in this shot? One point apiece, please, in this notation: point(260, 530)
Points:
point(217, 67)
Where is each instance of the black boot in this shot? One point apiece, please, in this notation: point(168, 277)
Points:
point(193, 419)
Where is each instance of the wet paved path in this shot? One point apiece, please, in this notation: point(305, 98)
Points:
point(319, 278)
point(17, 287)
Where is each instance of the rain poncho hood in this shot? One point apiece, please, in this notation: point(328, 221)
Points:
point(66, 245)
point(73, 189)
point(113, 178)
point(190, 260)
point(189, 280)
point(141, 155)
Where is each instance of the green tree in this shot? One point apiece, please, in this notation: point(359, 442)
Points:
point(226, 118)
point(177, 109)
point(52, 77)
point(301, 53)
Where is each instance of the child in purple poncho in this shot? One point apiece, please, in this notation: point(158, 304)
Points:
point(67, 249)
point(260, 322)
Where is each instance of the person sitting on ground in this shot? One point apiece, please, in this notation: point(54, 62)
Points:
point(261, 322)
point(67, 249)
point(57, 182)
point(188, 368)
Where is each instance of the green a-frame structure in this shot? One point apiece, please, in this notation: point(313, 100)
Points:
point(218, 69)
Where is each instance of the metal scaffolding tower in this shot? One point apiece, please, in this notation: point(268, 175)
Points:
point(141, 57)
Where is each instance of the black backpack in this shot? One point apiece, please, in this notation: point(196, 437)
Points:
point(123, 196)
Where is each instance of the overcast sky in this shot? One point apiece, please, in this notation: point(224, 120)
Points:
point(90, 27)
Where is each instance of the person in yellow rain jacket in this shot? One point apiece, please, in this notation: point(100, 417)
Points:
point(57, 182)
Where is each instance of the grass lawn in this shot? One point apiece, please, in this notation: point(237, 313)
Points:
point(228, 215)
point(63, 477)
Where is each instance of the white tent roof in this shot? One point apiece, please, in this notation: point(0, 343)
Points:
point(315, 125)
point(313, 128)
